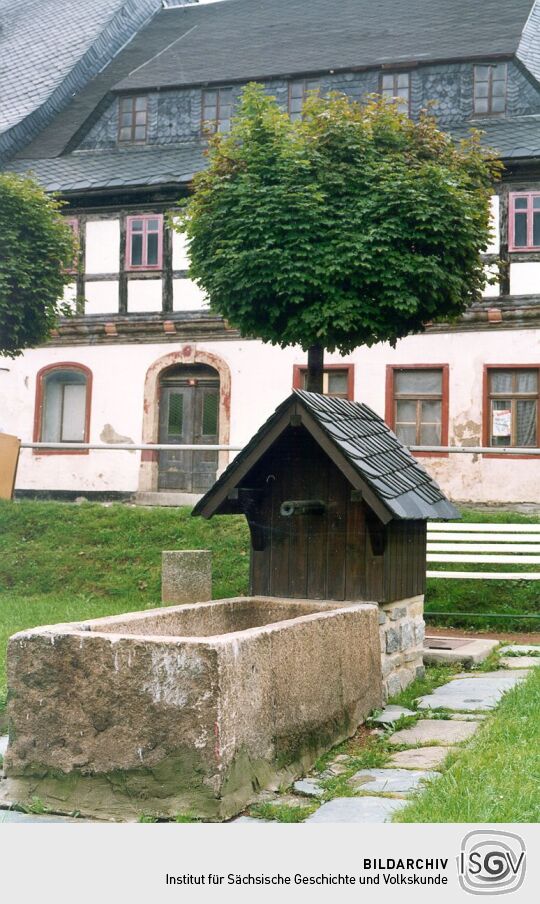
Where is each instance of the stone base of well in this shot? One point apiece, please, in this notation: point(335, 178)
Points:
point(401, 628)
point(188, 709)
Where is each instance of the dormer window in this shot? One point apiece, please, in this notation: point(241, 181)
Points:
point(396, 86)
point(298, 92)
point(490, 89)
point(217, 109)
point(133, 120)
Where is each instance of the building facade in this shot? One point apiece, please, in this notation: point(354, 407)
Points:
point(144, 360)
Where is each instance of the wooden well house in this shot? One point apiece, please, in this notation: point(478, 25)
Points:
point(336, 505)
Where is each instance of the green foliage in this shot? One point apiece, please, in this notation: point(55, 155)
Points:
point(36, 246)
point(277, 812)
point(353, 226)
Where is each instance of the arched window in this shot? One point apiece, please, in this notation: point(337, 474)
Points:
point(63, 405)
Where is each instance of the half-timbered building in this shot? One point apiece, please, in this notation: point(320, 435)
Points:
point(143, 359)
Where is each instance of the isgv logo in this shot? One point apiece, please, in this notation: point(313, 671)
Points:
point(491, 863)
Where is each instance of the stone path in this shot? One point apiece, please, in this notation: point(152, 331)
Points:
point(481, 692)
point(391, 781)
point(435, 731)
point(13, 816)
point(357, 809)
point(520, 662)
point(420, 757)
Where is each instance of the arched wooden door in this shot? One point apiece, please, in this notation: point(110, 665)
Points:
point(188, 415)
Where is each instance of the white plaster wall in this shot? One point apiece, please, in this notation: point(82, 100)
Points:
point(495, 245)
point(101, 297)
point(187, 296)
point(103, 246)
point(525, 278)
point(180, 259)
point(145, 295)
point(115, 401)
point(261, 377)
point(70, 295)
point(491, 291)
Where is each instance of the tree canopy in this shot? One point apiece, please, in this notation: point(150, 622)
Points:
point(353, 226)
point(36, 250)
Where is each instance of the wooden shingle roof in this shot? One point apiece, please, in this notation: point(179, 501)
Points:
point(361, 445)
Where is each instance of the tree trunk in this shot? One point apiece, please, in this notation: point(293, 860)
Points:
point(315, 372)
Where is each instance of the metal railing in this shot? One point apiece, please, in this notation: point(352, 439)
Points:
point(132, 447)
point(163, 447)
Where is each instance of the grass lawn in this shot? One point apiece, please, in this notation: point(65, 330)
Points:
point(62, 562)
point(496, 778)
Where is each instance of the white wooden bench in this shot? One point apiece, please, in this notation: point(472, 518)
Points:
point(484, 544)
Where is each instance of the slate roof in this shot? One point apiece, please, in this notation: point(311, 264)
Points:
point(217, 41)
point(50, 48)
point(514, 138)
point(364, 441)
point(239, 39)
point(91, 170)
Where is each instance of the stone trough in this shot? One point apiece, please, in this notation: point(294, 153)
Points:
point(185, 710)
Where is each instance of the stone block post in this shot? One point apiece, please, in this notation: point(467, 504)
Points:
point(401, 626)
point(186, 576)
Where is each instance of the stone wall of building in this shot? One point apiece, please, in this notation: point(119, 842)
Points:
point(401, 628)
point(175, 115)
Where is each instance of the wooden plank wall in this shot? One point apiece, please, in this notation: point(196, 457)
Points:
point(326, 556)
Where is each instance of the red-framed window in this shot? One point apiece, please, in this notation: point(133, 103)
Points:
point(144, 242)
point(396, 86)
point(511, 405)
point(524, 221)
point(490, 88)
point(132, 120)
point(417, 397)
point(74, 226)
point(298, 92)
point(338, 380)
point(217, 105)
point(62, 411)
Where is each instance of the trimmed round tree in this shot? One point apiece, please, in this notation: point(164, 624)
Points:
point(353, 226)
point(36, 250)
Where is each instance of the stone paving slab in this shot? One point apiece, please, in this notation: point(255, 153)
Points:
point(390, 781)
point(357, 809)
point(429, 731)
point(13, 816)
point(520, 648)
point(520, 662)
point(3, 745)
point(469, 653)
point(238, 820)
point(486, 676)
point(420, 757)
point(309, 787)
point(472, 693)
point(390, 715)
